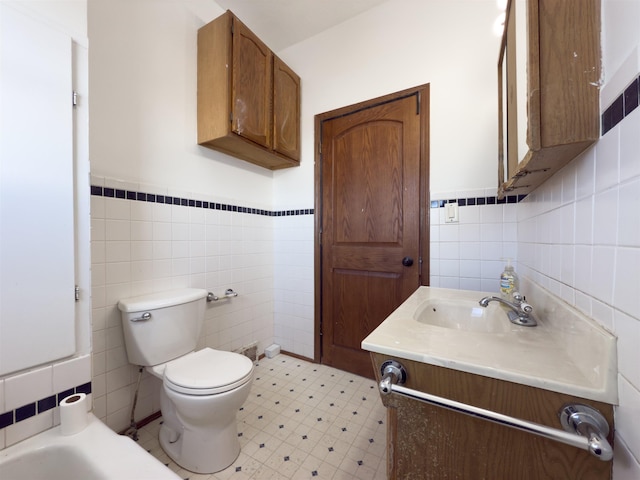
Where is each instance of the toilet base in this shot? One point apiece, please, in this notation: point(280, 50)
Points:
point(201, 451)
point(200, 433)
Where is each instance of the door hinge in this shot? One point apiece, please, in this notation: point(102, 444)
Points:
point(320, 237)
point(76, 292)
point(74, 99)
point(418, 104)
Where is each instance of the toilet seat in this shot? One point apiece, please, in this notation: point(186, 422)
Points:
point(207, 372)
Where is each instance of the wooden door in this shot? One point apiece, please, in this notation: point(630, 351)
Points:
point(251, 86)
point(286, 110)
point(373, 177)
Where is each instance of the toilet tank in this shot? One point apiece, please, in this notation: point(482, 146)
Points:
point(162, 326)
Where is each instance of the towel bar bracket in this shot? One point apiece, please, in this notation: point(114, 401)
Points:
point(228, 293)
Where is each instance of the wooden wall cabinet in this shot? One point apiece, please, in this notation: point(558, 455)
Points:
point(248, 99)
point(562, 86)
point(428, 442)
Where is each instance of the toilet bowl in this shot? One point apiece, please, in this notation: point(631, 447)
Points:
point(201, 390)
point(201, 393)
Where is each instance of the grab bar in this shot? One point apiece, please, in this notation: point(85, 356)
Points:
point(228, 293)
point(579, 419)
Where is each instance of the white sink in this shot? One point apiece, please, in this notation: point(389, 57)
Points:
point(464, 315)
point(566, 353)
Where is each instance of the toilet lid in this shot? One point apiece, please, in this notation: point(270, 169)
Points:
point(207, 372)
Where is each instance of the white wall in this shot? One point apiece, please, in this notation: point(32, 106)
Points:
point(142, 66)
point(399, 45)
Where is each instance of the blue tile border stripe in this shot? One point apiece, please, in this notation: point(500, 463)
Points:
point(31, 409)
point(188, 202)
point(622, 106)
point(478, 201)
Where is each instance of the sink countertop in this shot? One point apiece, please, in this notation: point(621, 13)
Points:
point(566, 353)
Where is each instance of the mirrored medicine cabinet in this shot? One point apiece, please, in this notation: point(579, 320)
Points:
point(548, 89)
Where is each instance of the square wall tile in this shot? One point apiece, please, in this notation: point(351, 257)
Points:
point(625, 296)
point(630, 146)
point(627, 330)
point(607, 161)
point(71, 373)
point(627, 414)
point(27, 428)
point(28, 387)
point(605, 217)
point(628, 215)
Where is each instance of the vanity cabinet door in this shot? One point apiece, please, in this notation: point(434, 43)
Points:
point(286, 110)
point(251, 86)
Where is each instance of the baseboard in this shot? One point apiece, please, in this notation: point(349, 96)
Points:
point(295, 355)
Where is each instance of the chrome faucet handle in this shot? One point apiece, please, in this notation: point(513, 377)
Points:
point(521, 302)
point(525, 307)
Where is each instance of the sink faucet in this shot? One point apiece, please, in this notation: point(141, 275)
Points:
point(521, 312)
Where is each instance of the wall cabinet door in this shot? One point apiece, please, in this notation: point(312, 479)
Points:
point(251, 86)
point(286, 110)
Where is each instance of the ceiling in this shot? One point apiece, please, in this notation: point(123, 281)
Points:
point(282, 23)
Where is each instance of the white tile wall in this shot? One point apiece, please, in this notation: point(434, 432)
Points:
point(36, 384)
point(578, 236)
point(470, 254)
point(294, 284)
point(603, 212)
point(141, 247)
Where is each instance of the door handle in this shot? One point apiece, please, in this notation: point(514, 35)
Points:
point(407, 261)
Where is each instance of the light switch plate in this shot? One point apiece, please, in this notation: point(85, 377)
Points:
point(451, 213)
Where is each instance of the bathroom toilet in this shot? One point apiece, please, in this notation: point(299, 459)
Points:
point(201, 390)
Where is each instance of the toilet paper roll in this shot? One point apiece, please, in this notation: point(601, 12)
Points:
point(73, 414)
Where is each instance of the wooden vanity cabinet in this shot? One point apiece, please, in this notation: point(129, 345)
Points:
point(248, 99)
point(428, 442)
point(563, 63)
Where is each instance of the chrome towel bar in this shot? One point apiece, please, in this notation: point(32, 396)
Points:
point(228, 293)
point(585, 427)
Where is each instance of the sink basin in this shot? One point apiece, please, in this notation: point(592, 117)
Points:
point(463, 315)
point(566, 353)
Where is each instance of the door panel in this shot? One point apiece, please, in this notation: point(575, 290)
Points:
point(370, 191)
point(368, 211)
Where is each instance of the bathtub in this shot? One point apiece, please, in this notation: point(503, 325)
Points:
point(96, 453)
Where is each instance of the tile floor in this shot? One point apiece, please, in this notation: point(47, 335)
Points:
point(301, 421)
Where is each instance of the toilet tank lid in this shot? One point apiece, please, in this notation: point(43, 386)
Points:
point(157, 300)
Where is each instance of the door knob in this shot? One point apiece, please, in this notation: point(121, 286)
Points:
point(407, 261)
